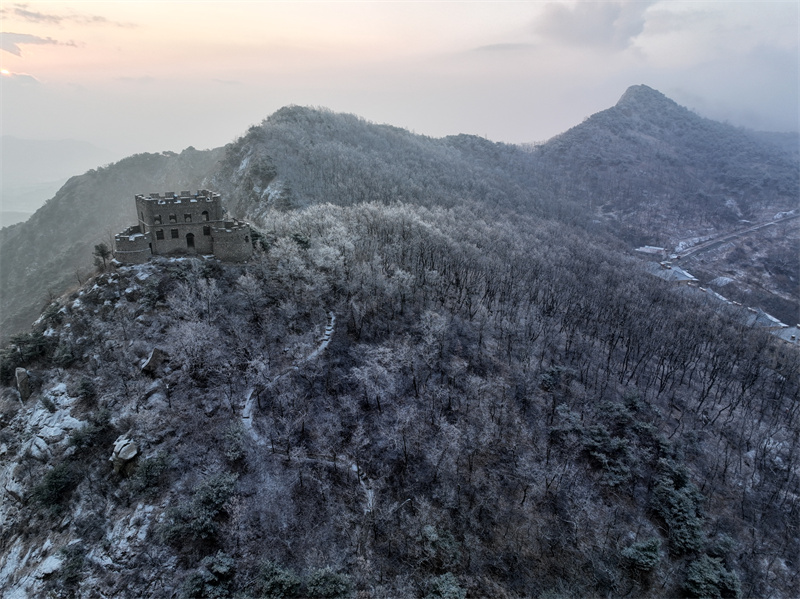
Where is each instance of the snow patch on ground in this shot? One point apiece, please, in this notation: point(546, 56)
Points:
point(721, 281)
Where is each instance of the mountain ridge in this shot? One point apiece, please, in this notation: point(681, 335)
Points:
point(660, 182)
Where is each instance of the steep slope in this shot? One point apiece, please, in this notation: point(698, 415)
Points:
point(52, 251)
point(501, 408)
point(658, 169)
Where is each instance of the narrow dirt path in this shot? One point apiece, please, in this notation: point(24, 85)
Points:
point(252, 397)
point(337, 461)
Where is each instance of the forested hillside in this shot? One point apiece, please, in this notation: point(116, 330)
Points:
point(656, 167)
point(441, 374)
point(644, 168)
point(301, 156)
point(504, 409)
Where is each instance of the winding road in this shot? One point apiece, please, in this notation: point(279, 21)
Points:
point(717, 241)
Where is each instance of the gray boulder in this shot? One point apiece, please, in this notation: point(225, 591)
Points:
point(157, 358)
point(124, 452)
point(23, 379)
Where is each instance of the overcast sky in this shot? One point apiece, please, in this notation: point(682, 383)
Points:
point(152, 76)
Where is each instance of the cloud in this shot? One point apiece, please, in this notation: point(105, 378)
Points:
point(22, 12)
point(10, 42)
point(21, 78)
point(612, 25)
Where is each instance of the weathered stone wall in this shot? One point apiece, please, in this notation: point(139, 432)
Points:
point(183, 239)
point(233, 242)
point(180, 224)
point(132, 246)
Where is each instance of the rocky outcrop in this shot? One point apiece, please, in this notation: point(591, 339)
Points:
point(11, 482)
point(124, 452)
point(53, 427)
point(154, 361)
point(23, 380)
point(37, 449)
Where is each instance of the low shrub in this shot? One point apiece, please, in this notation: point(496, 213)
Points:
point(445, 587)
point(677, 501)
point(150, 476)
point(56, 487)
point(327, 584)
point(212, 580)
point(278, 583)
point(22, 349)
point(94, 433)
point(611, 454)
point(48, 404)
point(234, 443)
point(643, 557)
point(70, 573)
point(195, 521)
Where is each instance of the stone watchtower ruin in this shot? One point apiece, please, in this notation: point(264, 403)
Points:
point(183, 224)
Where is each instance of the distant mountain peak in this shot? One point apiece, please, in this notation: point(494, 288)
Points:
point(642, 96)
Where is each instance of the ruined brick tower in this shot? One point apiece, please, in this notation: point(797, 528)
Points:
point(183, 224)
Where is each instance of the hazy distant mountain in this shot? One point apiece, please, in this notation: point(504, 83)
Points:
point(655, 166)
point(643, 168)
point(786, 142)
point(31, 171)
